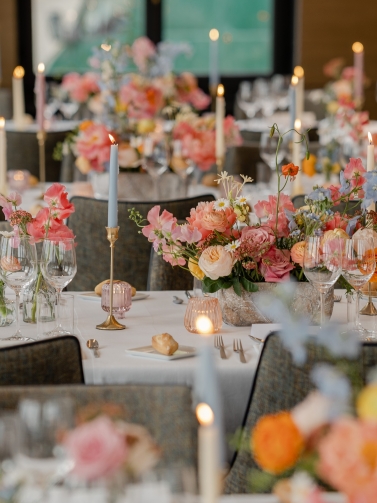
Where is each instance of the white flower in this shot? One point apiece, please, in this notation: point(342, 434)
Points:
point(216, 262)
point(221, 204)
point(241, 201)
point(312, 413)
point(222, 177)
point(302, 487)
point(246, 179)
point(231, 247)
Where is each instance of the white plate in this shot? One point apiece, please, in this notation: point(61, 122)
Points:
point(94, 296)
point(150, 352)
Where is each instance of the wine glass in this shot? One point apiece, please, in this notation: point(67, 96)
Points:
point(267, 150)
point(18, 268)
point(322, 265)
point(58, 266)
point(156, 161)
point(359, 264)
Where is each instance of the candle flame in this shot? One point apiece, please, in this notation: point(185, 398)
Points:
point(204, 414)
point(298, 71)
point(214, 34)
point(370, 139)
point(357, 47)
point(106, 47)
point(41, 68)
point(2, 123)
point(18, 72)
point(297, 124)
point(19, 176)
point(204, 325)
point(112, 139)
point(294, 80)
point(220, 90)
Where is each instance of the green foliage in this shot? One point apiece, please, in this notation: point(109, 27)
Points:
point(261, 482)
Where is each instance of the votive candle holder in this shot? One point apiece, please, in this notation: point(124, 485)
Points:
point(203, 306)
point(122, 298)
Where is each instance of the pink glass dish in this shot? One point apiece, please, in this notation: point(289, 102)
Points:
point(203, 306)
point(122, 298)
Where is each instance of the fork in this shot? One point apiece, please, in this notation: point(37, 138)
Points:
point(219, 344)
point(257, 339)
point(237, 348)
point(337, 298)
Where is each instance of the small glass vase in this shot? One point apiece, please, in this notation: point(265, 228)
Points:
point(30, 296)
point(7, 308)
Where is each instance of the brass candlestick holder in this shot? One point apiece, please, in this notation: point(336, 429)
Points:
point(41, 137)
point(111, 323)
point(369, 309)
point(220, 164)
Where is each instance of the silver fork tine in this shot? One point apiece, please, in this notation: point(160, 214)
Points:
point(234, 345)
point(221, 340)
point(241, 348)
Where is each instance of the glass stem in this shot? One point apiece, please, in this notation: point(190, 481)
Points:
point(357, 322)
point(156, 192)
point(17, 312)
point(58, 295)
point(322, 297)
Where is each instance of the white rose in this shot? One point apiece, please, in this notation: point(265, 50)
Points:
point(312, 413)
point(216, 262)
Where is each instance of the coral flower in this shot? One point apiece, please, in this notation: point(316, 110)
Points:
point(276, 442)
point(297, 253)
point(290, 170)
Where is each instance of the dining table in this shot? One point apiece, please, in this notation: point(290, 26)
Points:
point(154, 313)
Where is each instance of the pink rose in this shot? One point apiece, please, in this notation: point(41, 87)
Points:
point(93, 143)
point(96, 448)
point(260, 236)
point(216, 262)
point(275, 265)
point(143, 49)
point(80, 88)
point(142, 99)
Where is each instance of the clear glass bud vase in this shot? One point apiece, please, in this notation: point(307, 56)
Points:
point(30, 296)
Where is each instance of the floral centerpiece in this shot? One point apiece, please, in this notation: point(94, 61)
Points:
point(327, 441)
point(48, 223)
point(235, 257)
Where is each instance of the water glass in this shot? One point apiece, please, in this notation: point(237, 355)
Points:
point(46, 324)
point(122, 298)
point(203, 306)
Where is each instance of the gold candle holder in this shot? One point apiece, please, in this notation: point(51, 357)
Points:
point(220, 164)
point(369, 309)
point(111, 323)
point(41, 137)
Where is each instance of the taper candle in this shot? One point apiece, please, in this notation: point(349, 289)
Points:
point(220, 115)
point(112, 216)
point(300, 91)
point(208, 454)
point(40, 91)
point(358, 63)
point(292, 101)
point(296, 159)
point(213, 58)
point(18, 96)
point(370, 154)
point(3, 157)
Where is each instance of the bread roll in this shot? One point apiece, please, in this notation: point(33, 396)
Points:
point(98, 288)
point(164, 344)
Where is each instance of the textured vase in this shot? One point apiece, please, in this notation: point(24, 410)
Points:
point(244, 311)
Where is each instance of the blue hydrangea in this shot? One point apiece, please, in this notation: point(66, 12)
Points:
point(370, 189)
point(320, 194)
point(338, 341)
point(345, 185)
point(334, 385)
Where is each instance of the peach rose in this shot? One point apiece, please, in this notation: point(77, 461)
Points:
point(127, 156)
point(216, 262)
point(219, 220)
point(297, 253)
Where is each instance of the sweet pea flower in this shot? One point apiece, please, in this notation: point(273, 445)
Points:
point(158, 224)
point(189, 235)
point(57, 199)
point(354, 172)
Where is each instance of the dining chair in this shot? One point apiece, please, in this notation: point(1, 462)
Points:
point(280, 385)
point(132, 250)
point(166, 411)
point(50, 361)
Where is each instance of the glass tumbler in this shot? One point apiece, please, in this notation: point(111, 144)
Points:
point(203, 306)
point(122, 298)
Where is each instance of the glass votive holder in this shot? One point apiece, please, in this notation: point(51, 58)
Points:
point(18, 180)
point(122, 298)
point(203, 306)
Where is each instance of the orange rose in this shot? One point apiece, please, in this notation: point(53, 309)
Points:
point(297, 253)
point(276, 442)
point(290, 170)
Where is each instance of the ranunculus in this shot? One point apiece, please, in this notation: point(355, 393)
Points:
point(297, 253)
point(216, 262)
point(290, 170)
point(262, 236)
point(206, 219)
point(96, 448)
point(275, 265)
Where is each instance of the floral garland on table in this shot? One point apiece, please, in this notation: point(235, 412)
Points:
point(48, 223)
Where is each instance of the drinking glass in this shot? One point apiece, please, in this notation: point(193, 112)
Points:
point(267, 150)
point(322, 265)
point(18, 268)
point(156, 161)
point(58, 266)
point(359, 264)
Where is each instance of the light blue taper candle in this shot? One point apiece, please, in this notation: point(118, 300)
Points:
point(112, 216)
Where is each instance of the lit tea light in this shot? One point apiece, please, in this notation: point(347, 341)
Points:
point(204, 325)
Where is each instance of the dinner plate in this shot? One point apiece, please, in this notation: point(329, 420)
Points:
point(150, 352)
point(94, 296)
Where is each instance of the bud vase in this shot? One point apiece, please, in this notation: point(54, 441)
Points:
point(30, 295)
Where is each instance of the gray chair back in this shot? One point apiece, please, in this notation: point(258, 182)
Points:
point(280, 385)
point(132, 250)
point(51, 361)
point(166, 411)
point(162, 276)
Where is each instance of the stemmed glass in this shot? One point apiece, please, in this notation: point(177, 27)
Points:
point(156, 161)
point(18, 268)
point(358, 268)
point(267, 150)
point(58, 266)
point(322, 265)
